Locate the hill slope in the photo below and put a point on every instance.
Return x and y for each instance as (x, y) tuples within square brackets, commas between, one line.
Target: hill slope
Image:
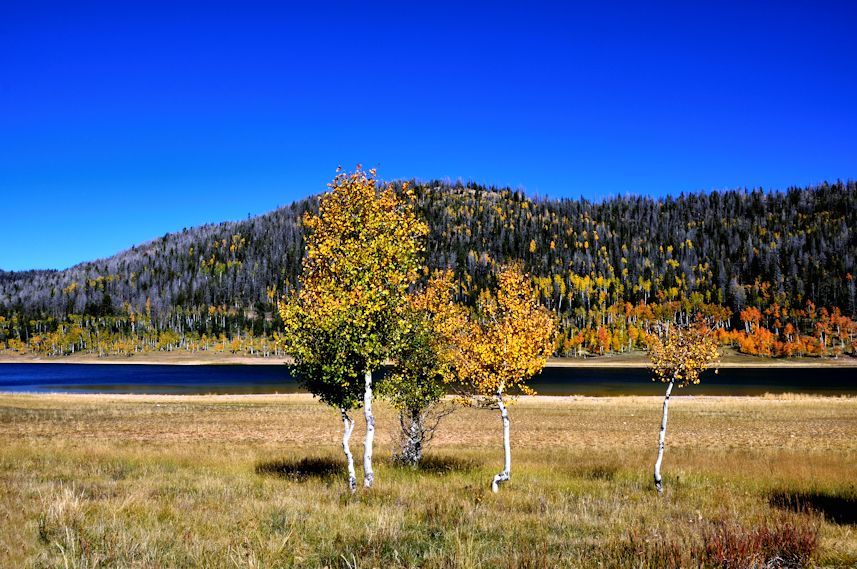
[(735, 248)]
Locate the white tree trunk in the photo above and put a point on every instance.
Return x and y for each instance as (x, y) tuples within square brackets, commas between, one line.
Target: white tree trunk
[(348, 424), (368, 474), (507, 448), (661, 437)]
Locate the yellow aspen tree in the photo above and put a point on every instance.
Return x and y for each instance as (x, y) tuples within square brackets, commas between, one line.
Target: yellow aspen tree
[(679, 358), (363, 252), (505, 343)]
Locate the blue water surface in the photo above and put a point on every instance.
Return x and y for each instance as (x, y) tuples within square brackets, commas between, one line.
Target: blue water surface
[(192, 379)]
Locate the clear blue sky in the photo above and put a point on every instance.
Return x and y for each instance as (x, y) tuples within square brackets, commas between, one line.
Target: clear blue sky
[(119, 124)]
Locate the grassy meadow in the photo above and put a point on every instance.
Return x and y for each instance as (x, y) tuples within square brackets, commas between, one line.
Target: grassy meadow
[(258, 481)]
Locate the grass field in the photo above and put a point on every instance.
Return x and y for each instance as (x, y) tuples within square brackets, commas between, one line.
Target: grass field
[(257, 481)]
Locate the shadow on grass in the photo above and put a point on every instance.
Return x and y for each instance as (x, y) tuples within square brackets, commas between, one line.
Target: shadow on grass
[(836, 507), (441, 464), (313, 467)]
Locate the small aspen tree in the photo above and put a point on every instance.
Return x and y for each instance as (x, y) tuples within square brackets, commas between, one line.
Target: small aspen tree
[(679, 358), (423, 366), (505, 343), (363, 252)]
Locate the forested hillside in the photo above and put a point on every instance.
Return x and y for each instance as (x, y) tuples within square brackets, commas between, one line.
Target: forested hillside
[(774, 270)]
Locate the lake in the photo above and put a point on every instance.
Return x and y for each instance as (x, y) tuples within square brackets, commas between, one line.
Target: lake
[(176, 379)]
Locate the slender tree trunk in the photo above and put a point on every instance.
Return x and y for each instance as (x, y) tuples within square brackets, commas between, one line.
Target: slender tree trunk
[(348, 424), (507, 448), (658, 481), (368, 474)]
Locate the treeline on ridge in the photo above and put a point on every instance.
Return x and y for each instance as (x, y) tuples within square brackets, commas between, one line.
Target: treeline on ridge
[(775, 269)]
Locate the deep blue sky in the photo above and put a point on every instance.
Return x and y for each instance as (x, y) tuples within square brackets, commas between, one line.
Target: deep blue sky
[(119, 124)]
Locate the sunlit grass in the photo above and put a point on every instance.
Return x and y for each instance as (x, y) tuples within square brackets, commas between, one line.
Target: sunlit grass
[(226, 481)]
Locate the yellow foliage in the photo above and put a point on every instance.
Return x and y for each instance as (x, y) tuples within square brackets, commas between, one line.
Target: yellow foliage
[(509, 339), (363, 252), (683, 355)]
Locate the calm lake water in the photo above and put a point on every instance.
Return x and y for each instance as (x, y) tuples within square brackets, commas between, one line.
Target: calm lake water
[(172, 379)]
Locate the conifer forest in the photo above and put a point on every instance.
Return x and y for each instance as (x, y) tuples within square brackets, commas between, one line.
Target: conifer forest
[(773, 271)]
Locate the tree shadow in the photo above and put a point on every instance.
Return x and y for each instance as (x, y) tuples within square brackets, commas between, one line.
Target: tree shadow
[(297, 470), (838, 508), (441, 464)]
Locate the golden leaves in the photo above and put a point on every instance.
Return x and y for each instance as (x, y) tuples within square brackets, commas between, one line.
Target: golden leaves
[(508, 340), (684, 354), (363, 251)]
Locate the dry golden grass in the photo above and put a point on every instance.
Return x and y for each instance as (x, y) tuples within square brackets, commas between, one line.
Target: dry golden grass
[(223, 481)]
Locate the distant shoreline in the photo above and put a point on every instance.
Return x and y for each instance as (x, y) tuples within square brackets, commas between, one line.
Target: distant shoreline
[(731, 359)]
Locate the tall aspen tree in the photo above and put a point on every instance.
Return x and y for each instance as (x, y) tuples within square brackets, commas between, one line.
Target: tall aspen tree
[(363, 252)]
